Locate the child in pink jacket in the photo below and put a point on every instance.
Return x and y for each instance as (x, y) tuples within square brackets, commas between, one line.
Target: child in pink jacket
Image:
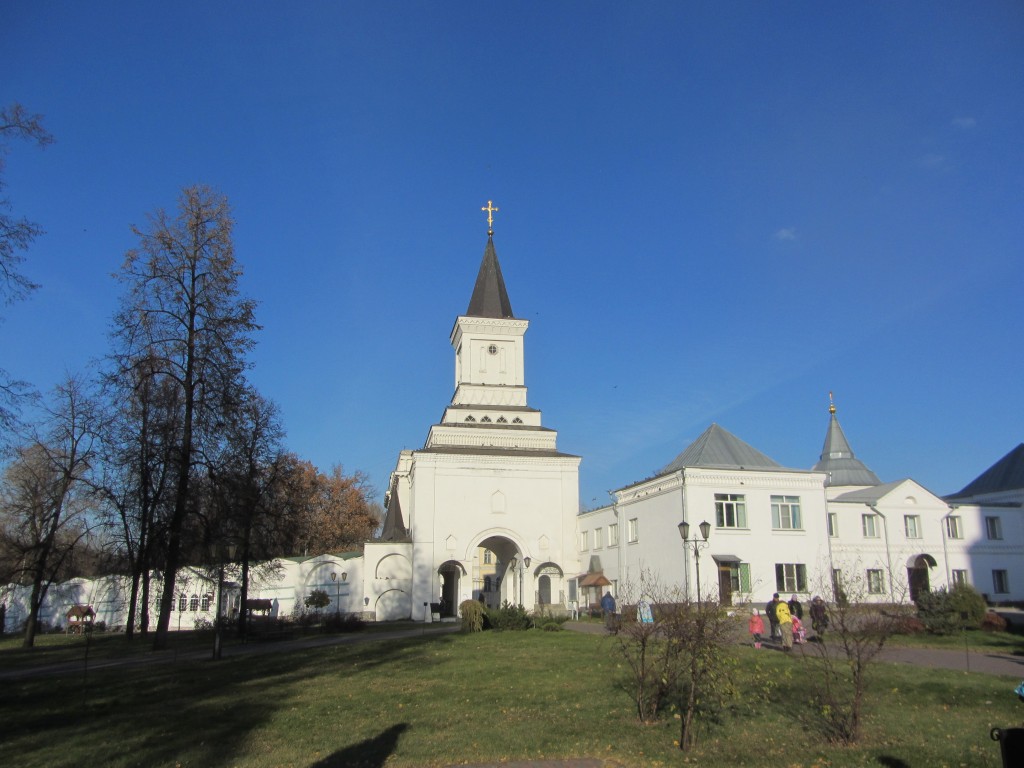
[(756, 627)]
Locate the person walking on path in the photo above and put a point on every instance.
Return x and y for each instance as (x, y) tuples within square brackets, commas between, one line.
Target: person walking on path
[(756, 627), (819, 615), (785, 625), (608, 608), (769, 611), (795, 609)]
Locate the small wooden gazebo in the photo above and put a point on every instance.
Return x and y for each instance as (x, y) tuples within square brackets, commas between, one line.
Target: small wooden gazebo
[(79, 617)]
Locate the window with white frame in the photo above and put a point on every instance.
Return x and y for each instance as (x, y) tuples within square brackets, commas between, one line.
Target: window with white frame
[(869, 524), (182, 603), (205, 606), (487, 557), (833, 524), (960, 577), (1000, 582), (633, 531), (786, 513), (598, 538), (613, 535), (994, 528), (838, 593), (730, 510), (876, 585), (953, 527), (583, 540), (193, 603), (912, 526), (790, 577)]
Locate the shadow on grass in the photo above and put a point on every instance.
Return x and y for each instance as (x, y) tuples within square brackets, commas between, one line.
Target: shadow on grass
[(137, 716), (370, 753), (892, 762)]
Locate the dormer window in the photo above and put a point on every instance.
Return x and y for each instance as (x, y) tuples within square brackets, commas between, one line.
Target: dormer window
[(517, 420), (502, 420), (470, 418), (486, 419)]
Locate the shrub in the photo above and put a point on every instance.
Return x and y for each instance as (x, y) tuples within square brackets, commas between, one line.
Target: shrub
[(472, 615), (944, 612), (508, 617), (549, 624), (910, 625), (968, 604), (343, 622), (993, 622), (317, 599)]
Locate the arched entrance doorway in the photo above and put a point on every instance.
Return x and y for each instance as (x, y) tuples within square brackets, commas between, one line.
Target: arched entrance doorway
[(917, 575), (549, 585), (501, 567), (450, 573)]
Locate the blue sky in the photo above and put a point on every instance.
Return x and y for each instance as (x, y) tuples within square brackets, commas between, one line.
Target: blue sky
[(709, 213)]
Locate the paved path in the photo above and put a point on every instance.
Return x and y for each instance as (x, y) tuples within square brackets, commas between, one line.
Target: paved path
[(959, 660)]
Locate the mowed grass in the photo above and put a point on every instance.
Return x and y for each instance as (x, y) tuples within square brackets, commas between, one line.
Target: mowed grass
[(488, 697)]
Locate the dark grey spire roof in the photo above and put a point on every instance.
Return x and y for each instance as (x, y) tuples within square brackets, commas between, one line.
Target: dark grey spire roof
[(720, 448), (394, 525), (838, 461), (490, 299), (1007, 474)]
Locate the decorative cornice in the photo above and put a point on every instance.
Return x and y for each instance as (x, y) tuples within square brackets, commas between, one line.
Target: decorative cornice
[(562, 461), (489, 394), (453, 435), (801, 481)]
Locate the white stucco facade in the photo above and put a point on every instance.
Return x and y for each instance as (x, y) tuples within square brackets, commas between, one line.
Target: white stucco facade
[(490, 479)]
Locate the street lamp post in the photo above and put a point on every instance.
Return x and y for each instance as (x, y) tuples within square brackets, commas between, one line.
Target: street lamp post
[(220, 592), (337, 593), (684, 534), (523, 565)]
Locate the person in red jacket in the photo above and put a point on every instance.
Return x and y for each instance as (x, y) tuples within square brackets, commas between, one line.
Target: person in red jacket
[(756, 627)]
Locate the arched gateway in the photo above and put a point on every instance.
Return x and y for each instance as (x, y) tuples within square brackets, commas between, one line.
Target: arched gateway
[(486, 510)]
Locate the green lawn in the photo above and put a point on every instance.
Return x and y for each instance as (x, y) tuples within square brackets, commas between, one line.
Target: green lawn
[(447, 699)]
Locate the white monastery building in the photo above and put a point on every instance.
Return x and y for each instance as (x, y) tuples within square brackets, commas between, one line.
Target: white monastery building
[(488, 509)]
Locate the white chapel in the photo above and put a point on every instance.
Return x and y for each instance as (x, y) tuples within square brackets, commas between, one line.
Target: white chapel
[(489, 482)]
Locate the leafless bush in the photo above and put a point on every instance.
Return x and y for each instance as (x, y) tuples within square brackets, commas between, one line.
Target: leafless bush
[(844, 657), (680, 659)]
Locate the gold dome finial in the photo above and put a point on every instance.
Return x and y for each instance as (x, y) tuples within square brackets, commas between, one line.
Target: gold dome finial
[(831, 405), (490, 208)]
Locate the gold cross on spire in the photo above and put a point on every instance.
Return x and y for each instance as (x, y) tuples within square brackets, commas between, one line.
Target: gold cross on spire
[(490, 208)]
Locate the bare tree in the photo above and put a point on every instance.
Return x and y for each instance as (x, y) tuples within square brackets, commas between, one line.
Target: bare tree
[(46, 497), (243, 475), (182, 319), (16, 234), (677, 654), (843, 655), (139, 453)]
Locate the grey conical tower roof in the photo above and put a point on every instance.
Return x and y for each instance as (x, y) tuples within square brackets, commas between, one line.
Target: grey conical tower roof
[(490, 299), (720, 448), (1007, 474), (838, 461), (394, 523)]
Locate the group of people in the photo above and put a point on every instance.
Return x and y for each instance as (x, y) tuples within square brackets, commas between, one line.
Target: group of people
[(786, 621)]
